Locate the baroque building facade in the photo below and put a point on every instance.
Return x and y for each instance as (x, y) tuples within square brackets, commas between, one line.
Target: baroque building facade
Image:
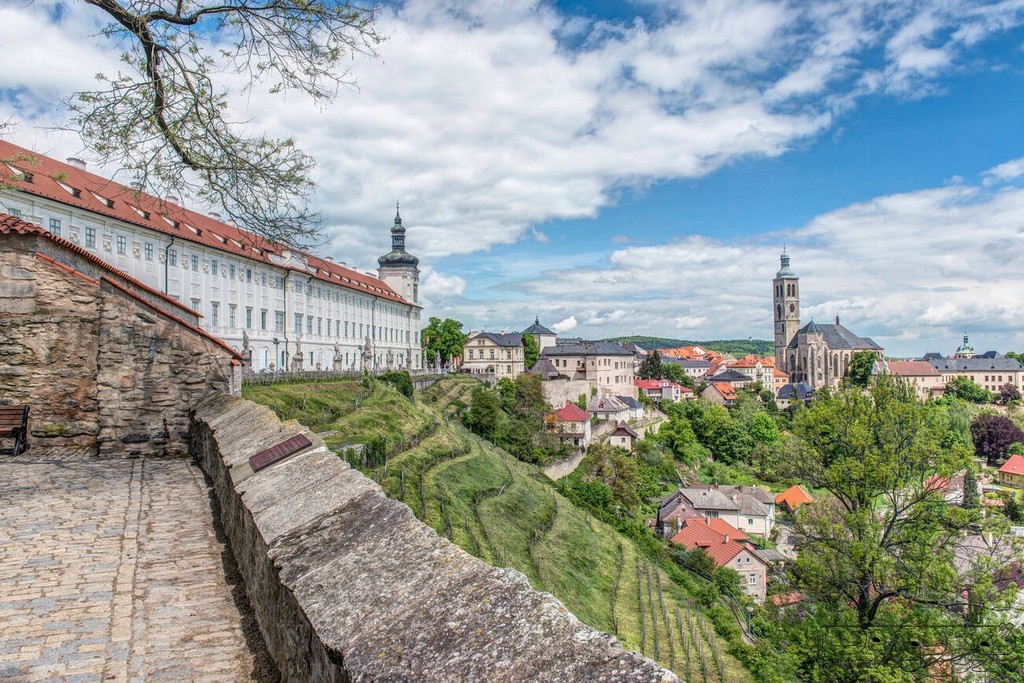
[(280, 307), (816, 354)]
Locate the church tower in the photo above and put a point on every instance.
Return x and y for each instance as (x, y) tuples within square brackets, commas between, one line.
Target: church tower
[(786, 300), (398, 268)]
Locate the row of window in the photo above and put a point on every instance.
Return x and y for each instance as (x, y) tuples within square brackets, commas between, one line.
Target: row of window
[(480, 356)]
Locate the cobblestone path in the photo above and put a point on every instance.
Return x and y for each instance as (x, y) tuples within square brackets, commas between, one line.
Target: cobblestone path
[(110, 570)]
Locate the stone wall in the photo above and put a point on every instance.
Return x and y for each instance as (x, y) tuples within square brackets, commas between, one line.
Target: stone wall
[(99, 364), (348, 585), (151, 370), (558, 391), (49, 333)]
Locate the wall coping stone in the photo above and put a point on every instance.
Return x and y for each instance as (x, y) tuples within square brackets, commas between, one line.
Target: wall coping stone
[(348, 585)]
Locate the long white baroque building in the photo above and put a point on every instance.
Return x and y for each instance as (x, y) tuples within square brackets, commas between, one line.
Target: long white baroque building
[(281, 307)]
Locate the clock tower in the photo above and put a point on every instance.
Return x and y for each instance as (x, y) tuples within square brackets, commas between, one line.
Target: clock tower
[(786, 300)]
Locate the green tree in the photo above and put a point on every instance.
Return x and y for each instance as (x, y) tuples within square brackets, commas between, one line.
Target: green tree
[(484, 416), (165, 118), (993, 436), (964, 388), (650, 367), (763, 429), (676, 373), (1012, 509), (531, 350), (880, 548), (858, 374), (615, 468), (970, 500), (444, 337)]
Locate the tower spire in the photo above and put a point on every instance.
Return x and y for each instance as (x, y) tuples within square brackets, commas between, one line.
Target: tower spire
[(398, 214)]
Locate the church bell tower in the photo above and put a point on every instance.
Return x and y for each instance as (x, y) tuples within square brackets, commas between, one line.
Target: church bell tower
[(786, 300), (398, 268)]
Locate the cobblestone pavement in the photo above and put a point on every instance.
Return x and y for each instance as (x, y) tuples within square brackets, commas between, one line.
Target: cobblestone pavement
[(111, 570)]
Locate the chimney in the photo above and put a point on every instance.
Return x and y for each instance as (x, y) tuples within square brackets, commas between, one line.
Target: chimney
[(77, 163)]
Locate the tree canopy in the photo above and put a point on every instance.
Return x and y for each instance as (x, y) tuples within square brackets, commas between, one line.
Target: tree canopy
[(531, 350), (444, 337), (993, 435), (964, 388), (881, 548), (858, 374), (165, 116)]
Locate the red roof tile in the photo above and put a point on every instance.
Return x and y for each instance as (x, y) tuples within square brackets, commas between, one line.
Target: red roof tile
[(571, 412), (912, 368), (794, 497), (727, 390), (1015, 465), (70, 185)]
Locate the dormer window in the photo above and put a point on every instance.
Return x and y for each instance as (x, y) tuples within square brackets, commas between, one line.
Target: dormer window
[(73, 191), (142, 212), (109, 203)]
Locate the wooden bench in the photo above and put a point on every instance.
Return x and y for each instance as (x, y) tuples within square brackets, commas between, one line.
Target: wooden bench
[(14, 423)]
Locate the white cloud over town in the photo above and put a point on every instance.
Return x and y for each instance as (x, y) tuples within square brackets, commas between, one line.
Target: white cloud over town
[(489, 118)]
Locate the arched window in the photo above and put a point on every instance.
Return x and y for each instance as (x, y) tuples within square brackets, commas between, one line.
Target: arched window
[(778, 311)]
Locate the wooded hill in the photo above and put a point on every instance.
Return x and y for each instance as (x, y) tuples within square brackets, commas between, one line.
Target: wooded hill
[(735, 347)]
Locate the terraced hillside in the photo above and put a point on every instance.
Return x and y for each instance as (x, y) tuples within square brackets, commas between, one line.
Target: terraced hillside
[(505, 512)]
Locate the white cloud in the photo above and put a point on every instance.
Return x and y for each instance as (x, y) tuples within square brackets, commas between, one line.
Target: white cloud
[(483, 121), (437, 286), (1005, 171), (563, 326)]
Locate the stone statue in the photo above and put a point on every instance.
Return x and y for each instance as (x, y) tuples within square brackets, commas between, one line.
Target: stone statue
[(246, 350), (297, 358), (368, 355), (391, 359), (338, 360)]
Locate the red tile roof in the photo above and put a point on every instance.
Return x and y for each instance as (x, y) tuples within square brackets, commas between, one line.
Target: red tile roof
[(727, 390), (71, 185), (794, 497), (912, 368), (571, 412), (1015, 465), (751, 361), (699, 534), (725, 529), (647, 383)]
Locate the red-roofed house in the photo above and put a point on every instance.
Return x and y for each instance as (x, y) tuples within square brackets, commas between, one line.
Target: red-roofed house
[(922, 375), (722, 393), (758, 369), (661, 389), (792, 498), (727, 551), (570, 423), (1012, 471), (278, 305)]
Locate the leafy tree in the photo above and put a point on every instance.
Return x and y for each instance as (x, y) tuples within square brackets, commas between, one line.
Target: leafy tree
[(444, 337), (164, 117), (676, 373), (763, 429), (1012, 509), (858, 374), (1009, 392), (614, 467), (531, 349), (993, 435), (964, 388), (484, 416), (650, 367), (880, 549), (970, 500), (400, 380)]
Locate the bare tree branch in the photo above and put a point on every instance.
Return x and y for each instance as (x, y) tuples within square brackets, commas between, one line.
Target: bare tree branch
[(165, 121)]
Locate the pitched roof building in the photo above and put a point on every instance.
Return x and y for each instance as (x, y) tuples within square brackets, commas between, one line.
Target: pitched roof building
[(989, 370), (495, 354), (726, 550), (1012, 471), (279, 306), (793, 498), (815, 354)]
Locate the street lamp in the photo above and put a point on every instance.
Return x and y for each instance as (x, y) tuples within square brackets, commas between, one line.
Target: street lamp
[(277, 357)]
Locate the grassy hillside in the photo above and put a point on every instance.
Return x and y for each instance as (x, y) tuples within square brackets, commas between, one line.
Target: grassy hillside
[(736, 347), (505, 512)]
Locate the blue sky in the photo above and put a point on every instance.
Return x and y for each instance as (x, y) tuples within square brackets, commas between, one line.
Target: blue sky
[(619, 168)]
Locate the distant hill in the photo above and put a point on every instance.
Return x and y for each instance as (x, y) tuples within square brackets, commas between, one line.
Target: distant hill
[(735, 347)]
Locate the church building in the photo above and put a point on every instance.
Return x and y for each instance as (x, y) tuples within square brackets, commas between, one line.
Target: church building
[(816, 354)]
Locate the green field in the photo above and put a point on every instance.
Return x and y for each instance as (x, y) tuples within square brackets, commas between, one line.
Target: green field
[(507, 513)]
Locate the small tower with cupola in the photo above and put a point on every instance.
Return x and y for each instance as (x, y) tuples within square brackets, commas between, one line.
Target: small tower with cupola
[(786, 305), (398, 268)]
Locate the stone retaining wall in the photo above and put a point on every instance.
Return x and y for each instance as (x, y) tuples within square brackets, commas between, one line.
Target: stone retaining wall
[(348, 585)]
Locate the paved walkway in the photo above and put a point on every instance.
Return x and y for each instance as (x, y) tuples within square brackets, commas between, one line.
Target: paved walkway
[(111, 570)]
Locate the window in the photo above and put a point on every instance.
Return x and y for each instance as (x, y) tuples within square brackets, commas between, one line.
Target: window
[(750, 521), (298, 323), (122, 244), (215, 313), (195, 262), (309, 324), (15, 212), (233, 316), (248, 274), (319, 326), (751, 579), (55, 226), (278, 321), (231, 271), (172, 257), (195, 305), (148, 249), (90, 237), (213, 267), (248, 318), (263, 319), (346, 328)]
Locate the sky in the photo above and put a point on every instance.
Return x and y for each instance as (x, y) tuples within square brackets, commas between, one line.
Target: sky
[(617, 168)]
